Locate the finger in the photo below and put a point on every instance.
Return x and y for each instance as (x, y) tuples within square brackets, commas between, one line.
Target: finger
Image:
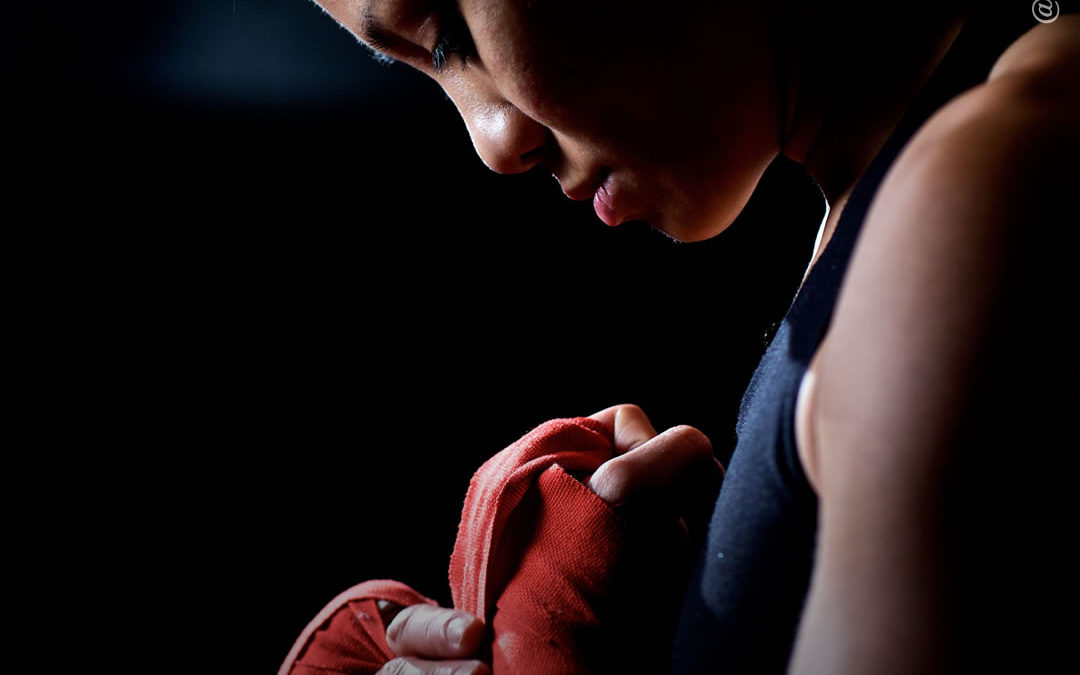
[(630, 424), (659, 464), (434, 632), (415, 666)]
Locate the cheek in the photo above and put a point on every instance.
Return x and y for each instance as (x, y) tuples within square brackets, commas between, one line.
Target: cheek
[(709, 197), (556, 60), (523, 72)]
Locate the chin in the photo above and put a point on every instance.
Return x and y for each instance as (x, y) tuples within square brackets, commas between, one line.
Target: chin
[(703, 211), (690, 229)]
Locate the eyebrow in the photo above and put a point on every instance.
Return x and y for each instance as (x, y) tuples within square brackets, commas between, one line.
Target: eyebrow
[(375, 35)]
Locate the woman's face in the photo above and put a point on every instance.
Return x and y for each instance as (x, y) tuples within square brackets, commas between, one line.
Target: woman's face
[(663, 112)]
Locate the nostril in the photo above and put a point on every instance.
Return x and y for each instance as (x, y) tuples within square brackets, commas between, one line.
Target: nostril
[(532, 157), (508, 141)]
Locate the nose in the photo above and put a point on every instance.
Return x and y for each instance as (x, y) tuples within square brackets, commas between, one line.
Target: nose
[(507, 140)]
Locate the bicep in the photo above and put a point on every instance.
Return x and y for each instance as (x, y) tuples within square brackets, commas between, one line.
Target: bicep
[(912, 348)]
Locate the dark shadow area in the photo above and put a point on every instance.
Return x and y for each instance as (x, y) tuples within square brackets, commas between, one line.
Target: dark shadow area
[(295, 311)]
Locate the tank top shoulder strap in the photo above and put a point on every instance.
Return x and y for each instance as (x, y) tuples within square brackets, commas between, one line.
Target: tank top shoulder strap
[(967, 63)]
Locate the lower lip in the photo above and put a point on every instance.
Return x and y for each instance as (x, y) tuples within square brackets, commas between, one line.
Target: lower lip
[(602, 203)]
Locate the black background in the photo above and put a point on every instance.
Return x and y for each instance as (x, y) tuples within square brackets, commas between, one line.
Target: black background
[(280, 311)]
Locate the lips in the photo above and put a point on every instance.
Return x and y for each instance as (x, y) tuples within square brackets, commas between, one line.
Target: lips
[(604, 202), (600, 189)]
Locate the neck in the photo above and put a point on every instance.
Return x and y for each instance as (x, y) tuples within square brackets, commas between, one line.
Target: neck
[(850, 76)]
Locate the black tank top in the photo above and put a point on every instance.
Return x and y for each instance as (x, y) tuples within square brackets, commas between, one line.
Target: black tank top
[(746, 594)]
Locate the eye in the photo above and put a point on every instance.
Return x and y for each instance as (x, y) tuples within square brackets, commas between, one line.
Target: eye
[(454, 38)]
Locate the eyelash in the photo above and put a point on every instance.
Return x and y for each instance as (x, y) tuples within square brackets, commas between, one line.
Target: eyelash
[(454, 38)]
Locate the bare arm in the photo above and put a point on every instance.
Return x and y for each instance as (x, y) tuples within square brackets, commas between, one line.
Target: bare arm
[(910, 347)]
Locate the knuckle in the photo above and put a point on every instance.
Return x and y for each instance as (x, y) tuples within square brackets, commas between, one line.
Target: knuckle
[(419, 629), (693, 441), (631, 409), (435, 628), (630, 414), (632, 428)]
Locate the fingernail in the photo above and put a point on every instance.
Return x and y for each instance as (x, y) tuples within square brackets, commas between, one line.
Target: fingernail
[(456, 630)]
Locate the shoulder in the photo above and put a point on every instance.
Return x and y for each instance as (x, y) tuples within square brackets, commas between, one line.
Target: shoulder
[(914, 379), (981, 177), (1044, 50), (1018, 130)]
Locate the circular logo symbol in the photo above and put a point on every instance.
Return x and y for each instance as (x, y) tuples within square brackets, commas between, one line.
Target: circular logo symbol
[(1045, 11)]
